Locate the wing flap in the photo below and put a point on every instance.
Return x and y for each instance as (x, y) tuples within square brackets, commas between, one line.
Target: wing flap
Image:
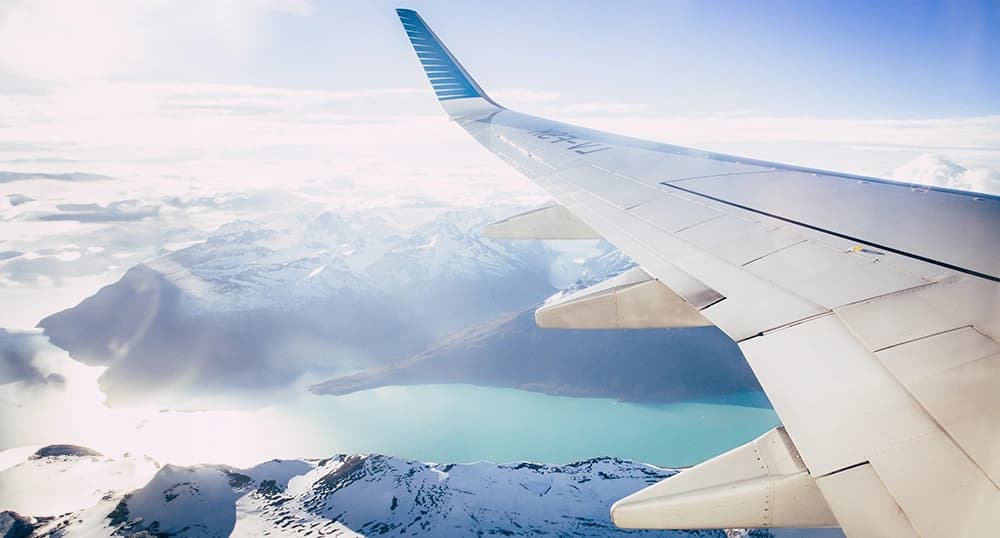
[(631, 300), (955, 376), (845, 409), (840, 392), (862, 504), (941, 491)]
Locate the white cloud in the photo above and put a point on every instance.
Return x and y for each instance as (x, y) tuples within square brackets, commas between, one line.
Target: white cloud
[(934, 169), (206, 155), (930, 169), (980, 180), (366, 150), (58, 41), (54, 40)]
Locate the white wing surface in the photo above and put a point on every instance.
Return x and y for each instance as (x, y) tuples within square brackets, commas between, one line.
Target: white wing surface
[(868, 309)]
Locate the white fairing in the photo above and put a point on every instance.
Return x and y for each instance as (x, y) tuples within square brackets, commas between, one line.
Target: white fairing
[(868, 309), (549, 222), (631, 300), (760, 484)]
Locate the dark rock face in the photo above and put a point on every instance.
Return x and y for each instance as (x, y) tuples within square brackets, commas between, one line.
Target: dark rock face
[(631, 365), (14, 525), (65, 450)]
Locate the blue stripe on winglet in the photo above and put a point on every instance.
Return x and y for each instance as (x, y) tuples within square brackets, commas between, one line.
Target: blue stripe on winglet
[(446, 75)]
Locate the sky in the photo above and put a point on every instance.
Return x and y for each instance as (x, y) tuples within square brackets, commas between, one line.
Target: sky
[(720, 75), (854, 59), (200, 113)]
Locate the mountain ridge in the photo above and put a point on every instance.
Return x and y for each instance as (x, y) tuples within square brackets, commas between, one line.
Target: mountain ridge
[(357, 495), (360, 303)]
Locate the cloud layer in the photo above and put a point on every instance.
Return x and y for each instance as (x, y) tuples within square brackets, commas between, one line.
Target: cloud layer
[(43, 42), (17, 360), (935, 169), (165, 164)]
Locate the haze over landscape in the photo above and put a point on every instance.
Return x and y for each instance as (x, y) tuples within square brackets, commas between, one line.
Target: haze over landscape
[(229, 234)]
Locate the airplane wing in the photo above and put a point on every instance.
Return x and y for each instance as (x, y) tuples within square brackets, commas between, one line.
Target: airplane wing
[(868, 309)]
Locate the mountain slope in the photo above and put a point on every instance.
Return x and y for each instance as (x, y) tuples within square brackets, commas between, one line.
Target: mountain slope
[(631, 365), (62, 478), (256, 307), (360, 495)]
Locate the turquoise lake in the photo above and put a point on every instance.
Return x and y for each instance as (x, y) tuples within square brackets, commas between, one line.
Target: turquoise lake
[(464, 423)]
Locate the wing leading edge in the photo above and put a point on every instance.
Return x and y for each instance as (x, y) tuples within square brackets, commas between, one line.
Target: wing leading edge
[(868, 309)]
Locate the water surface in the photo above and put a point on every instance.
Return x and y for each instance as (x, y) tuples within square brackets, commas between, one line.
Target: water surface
[(465, 423)]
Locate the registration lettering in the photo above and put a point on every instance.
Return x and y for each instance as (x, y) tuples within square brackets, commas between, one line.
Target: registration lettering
[(573, 142)]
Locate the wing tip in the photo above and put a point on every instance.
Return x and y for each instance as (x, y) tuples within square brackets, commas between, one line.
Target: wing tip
[(447, 76)]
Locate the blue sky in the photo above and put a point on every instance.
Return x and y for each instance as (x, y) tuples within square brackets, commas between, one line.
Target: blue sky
[(820, 59)]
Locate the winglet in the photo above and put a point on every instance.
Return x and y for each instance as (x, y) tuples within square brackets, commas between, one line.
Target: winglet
[(451, 82)]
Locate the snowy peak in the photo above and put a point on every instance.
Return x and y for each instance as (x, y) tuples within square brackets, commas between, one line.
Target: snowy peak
[(54, 451), (64, 478), (14, 525), (262, 305), (245, 265), (375, 495), (356, 495), (194, 501)]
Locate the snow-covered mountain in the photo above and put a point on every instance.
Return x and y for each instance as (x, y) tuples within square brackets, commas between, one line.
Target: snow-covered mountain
[(628, 365), (360, 495), (362, 302), (260, 305), (248, 265), (63, 478)]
